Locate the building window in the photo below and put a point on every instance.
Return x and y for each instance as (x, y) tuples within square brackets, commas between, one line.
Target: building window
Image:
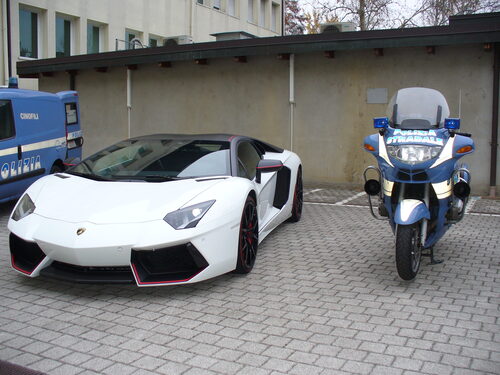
[(133, 39), (63, 37), (93, 38), (274, 17), (217, 4), (231, 7), (250, 11), (262, 13), (28, 33), (200, 2), (129, 36), (153, 42)]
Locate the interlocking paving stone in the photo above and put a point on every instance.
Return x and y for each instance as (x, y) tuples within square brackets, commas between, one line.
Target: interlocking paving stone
[(324, 298)]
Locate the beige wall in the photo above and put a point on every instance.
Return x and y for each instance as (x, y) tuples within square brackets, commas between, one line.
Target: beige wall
[(159, 19), (331, 113), (332, 109)]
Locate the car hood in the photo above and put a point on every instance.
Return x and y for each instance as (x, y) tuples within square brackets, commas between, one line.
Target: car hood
[(76, 199)]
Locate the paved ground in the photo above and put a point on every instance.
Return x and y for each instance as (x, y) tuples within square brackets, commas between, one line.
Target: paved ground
[(323, 298)]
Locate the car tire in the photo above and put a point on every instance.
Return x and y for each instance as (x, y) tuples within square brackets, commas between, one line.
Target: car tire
[(248, 239), (298, 198)]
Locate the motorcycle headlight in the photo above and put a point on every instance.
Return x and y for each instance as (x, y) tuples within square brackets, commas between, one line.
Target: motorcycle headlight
[(413, 154), (188, 217), (24, 208)]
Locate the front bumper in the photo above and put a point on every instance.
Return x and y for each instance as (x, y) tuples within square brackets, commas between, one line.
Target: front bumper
[(148, 254)]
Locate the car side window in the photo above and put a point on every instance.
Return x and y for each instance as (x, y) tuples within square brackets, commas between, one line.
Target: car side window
[(7, 129), (248, 158)]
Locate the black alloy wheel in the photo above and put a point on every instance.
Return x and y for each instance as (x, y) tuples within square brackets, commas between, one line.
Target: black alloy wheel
[(248, 238), (298, 198)]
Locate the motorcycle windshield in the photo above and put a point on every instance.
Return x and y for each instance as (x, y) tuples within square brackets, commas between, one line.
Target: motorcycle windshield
[(417, 108)]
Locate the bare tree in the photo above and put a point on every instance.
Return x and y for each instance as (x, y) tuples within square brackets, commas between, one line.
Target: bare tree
[(375, 14), (366, 14), (294, 18), (438, 11), (315, 18)]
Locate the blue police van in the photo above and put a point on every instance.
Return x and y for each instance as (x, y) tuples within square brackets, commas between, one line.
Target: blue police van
[(39, 134)]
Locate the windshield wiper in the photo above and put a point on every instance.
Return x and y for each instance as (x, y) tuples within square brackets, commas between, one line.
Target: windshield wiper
[(90, 176)]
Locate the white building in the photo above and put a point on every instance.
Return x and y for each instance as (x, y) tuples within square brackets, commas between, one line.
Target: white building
[(39, 29)]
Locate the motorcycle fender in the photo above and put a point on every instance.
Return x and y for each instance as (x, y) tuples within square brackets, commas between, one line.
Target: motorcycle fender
[(410, 211)]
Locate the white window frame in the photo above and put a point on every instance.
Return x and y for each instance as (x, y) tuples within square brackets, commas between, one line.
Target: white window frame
[(275, 16), (39, 31), (251, 11), (72, 33), (159, 39), (138, 34), (101, 27), (235, 8), (263, 13)]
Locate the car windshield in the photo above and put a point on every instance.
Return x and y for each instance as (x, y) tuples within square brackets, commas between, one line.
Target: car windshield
[(417, 108), (156, 160)]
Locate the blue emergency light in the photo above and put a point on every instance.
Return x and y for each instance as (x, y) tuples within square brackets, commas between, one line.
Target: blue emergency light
[(13, 83), (452, 123), (380, 122)]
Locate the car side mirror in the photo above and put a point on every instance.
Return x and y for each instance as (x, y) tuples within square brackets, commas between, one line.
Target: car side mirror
[(266, 166)]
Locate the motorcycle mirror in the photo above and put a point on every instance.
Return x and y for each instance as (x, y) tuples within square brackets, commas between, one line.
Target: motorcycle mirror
[(380, 122), (452, 123)]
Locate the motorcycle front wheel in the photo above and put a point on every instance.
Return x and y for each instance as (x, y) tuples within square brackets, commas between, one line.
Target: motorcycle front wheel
[(408, 251)]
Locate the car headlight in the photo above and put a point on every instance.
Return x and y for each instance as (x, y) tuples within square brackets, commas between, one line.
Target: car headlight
[(414, 154), (24, 208), (188, 217)]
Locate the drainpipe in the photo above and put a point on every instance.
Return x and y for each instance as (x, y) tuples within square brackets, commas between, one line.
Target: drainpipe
[(191, 16), (72, 80), (129, 99), (494, 122), (283, 16), (292, 98)]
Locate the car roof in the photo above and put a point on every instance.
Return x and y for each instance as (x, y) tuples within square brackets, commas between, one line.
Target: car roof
[(9, 93), (221, 137), (194, 137)]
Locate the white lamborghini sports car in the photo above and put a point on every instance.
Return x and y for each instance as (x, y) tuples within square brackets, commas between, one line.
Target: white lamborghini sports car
[(157, 210)]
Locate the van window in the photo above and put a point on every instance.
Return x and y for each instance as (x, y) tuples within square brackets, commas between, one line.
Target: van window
[(7, 129), (71, 115)]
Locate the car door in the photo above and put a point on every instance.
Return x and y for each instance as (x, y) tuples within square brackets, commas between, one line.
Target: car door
[(248, 158)]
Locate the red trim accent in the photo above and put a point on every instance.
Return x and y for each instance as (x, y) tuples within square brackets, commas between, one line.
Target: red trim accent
[(20, 269), (231, 138), (136, 274), (270, 166)]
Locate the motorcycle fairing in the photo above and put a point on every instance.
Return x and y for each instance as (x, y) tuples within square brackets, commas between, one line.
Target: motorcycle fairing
[(410, 211)]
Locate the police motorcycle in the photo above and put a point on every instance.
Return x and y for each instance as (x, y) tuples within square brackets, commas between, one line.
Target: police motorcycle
[(421, 188)]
